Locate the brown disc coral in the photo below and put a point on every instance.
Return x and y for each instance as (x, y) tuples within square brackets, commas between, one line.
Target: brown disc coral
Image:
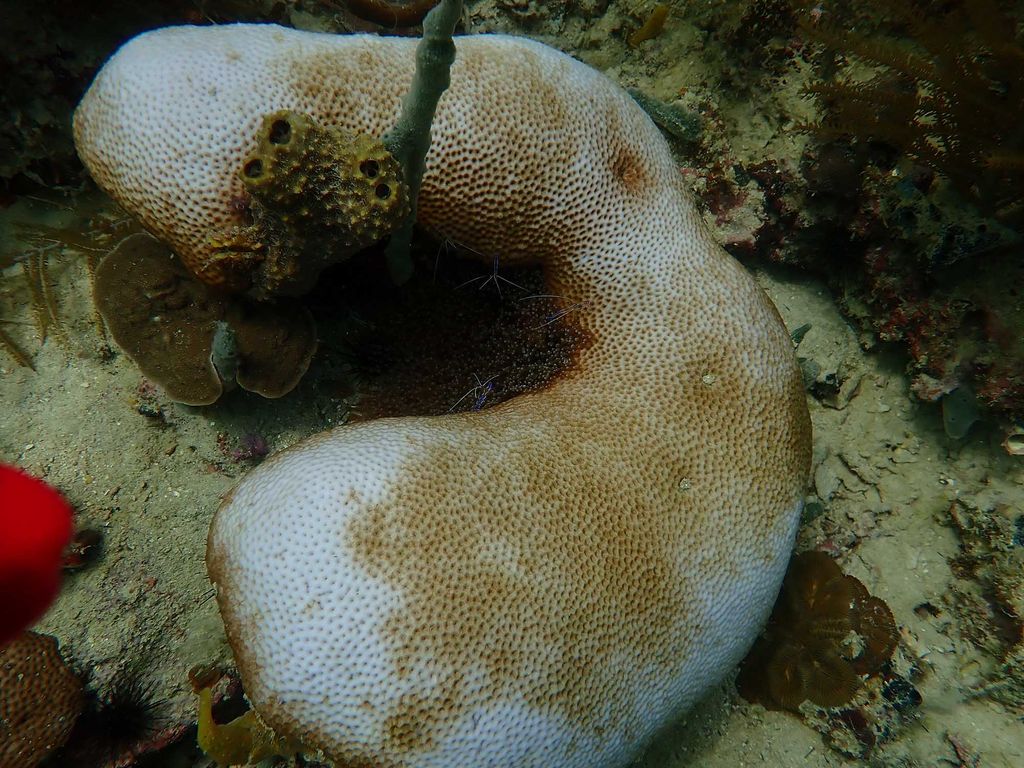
[(824, 633), (40, 699)]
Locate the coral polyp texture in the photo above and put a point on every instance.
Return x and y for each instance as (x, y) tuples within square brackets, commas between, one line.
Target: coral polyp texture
[(40, 699), (545, 582)]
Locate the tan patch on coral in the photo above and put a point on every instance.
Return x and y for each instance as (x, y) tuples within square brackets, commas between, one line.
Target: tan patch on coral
[(544, 593), (629, 169)]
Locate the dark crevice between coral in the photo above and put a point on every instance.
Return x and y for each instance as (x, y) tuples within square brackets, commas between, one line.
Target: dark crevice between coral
[(458, 336)]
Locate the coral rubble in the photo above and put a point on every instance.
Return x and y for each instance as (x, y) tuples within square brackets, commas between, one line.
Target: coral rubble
[(988, 595)]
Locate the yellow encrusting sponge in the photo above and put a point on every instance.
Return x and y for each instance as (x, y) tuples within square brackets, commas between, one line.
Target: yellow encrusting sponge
[(318, 195)]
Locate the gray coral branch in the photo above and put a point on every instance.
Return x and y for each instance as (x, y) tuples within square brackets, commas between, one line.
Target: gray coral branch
[(409, 140)]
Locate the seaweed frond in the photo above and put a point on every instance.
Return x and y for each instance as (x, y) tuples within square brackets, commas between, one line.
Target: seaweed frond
[(949, 94), (92, 260), (95, 240), (45, 311), (16, 353)]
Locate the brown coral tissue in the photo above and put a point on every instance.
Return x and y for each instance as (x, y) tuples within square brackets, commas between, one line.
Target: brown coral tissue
[(824, 633), (40, 699)]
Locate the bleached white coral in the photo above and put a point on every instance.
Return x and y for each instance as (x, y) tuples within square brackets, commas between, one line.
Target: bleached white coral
[(544, 583)]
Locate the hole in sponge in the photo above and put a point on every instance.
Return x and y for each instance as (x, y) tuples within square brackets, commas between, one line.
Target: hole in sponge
[(280, 132), (253, 169), (369, 168), (383, 191)]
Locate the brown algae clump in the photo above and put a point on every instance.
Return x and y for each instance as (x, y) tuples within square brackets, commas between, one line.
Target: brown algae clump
[(319, 195), (651, 28)]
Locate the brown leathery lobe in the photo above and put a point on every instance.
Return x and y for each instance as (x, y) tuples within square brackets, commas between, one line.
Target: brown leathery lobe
[(825, 632), (165, 321)]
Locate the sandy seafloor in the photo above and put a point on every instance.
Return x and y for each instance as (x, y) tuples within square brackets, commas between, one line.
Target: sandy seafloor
[(885, 471)]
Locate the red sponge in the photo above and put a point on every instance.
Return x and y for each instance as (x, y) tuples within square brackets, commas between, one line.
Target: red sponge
[(35, 527)]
